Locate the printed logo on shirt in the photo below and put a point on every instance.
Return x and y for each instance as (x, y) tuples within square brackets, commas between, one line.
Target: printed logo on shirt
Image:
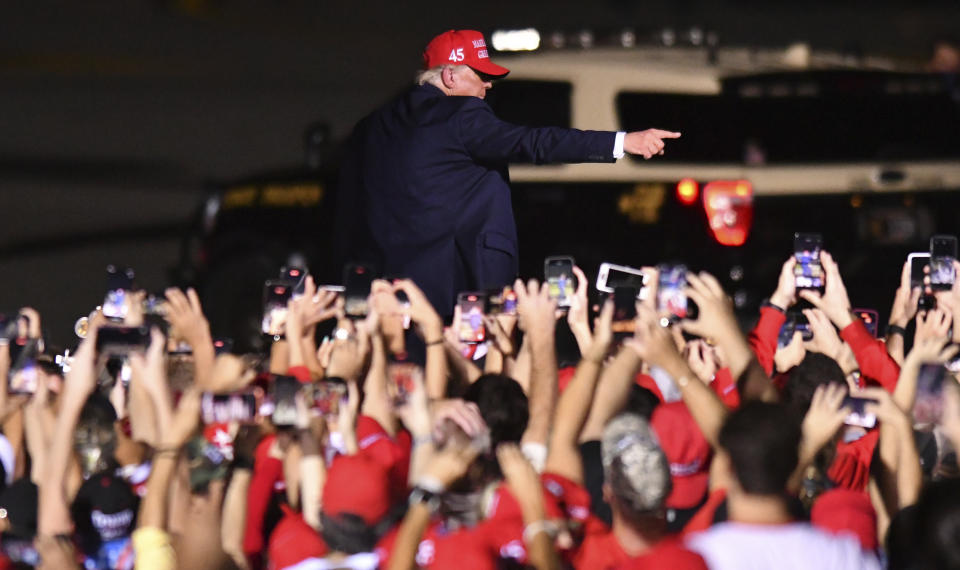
[(513, 549), (426, 553)]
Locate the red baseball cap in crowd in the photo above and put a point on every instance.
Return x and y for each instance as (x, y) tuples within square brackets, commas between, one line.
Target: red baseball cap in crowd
[(844, 511), (293, 541), (358, 485), (462, 47), (687, 451)]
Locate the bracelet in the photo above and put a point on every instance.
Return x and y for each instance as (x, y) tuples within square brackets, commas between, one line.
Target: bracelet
[(431, 484), (166, 451), (896, 329), (422, 440), (536, 527), (433, 342), (767, 303)]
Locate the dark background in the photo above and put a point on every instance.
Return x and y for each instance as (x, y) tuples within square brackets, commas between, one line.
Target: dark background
[(115, 115)]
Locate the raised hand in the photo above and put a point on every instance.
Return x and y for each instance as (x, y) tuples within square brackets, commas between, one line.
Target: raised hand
[(701, 360), (535, 309), (786, 293), (185, 315), (825, 339), (716, 317), (825, 416), (834, 302), (648, 143), (422, 313), (905, 301)]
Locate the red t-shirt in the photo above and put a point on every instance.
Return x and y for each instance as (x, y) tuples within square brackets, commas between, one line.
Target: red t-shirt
[(851, 465), (599, 549), (668, 554)]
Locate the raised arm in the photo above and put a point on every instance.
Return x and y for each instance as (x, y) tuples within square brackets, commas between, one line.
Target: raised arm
[(563, 457), (538, 321)]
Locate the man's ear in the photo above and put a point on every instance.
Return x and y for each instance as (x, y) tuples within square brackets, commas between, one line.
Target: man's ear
[(448, 76)]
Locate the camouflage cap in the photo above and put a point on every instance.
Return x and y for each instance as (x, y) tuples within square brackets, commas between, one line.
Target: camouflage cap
[(634, 465)]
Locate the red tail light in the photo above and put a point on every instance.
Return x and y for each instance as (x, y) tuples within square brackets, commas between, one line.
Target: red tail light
[(688, 191)]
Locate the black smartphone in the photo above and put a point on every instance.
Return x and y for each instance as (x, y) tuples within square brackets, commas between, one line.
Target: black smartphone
[(858, 415), (785, 337), (808, 272), (943, 250), (224, 408), (470, 329), (624, 312), (119, 284), (671, 298), (296, 277), (120, 341), (23, 375), (802, 325), (561, 282), (357, 279), (276, 295), (870, 319), (284, 391)]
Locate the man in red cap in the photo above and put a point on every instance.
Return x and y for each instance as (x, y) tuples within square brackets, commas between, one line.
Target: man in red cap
[(423, 190)]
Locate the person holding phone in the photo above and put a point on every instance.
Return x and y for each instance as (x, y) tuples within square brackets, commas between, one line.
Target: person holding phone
[(423, 190)]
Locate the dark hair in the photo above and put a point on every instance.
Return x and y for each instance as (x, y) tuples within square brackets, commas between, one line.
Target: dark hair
[(762, 440), (927, 534), (503, 406), (348, 533), (813, 371)]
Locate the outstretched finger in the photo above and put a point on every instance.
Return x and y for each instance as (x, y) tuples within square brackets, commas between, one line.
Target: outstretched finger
[(665, 134)]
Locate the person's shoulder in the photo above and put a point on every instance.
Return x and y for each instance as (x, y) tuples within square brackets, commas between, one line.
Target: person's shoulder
[(667, 554)]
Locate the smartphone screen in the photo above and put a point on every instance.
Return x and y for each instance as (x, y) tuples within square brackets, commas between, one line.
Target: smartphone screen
[(624, 312), (470, 328), (858, 415), (119, 341), (671, 298), (808, 272), (327, 396), (786, 332), (224, 408), (296, 277), (918, 263), (24, 379), (357, 279), (611, 276), (284, 392), (943, 250), (402, 376), (870, 319), (276, 294), (119, 283), (928, 407), (802, 325), (561, 282), (502, 301)]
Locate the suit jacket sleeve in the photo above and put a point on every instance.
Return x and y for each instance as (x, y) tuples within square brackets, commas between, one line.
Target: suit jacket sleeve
[(488, 139)]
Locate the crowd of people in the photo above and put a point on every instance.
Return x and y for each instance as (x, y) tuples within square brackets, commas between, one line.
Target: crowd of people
[(683, 444)]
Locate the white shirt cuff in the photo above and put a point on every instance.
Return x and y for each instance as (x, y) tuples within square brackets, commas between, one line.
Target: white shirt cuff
[(618, 145)]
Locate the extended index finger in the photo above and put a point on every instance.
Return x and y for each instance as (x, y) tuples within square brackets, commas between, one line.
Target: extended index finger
[(665, 134)]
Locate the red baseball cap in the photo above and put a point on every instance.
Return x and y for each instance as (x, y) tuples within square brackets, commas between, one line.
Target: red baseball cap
[(357, 485), (687, 451), (462, 47), (293, 541)]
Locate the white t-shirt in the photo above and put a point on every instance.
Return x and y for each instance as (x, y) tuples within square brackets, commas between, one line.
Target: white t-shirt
[(739, 546)]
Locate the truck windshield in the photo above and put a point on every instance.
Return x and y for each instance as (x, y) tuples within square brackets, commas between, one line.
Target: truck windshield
[(815, 117)]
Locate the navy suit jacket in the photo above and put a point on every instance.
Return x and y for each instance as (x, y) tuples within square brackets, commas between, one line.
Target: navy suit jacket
[(423, 190)]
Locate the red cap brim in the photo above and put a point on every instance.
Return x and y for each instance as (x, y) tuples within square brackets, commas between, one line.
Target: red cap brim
[(487, 67)]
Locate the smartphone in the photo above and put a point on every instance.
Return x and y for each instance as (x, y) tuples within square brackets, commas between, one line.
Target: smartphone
[(611, 276), (296, 277), (283, 391), (624, 311), (671, 298), (327, 395), (871, 320), (502, 301), (402, 381), (808, 272), (858, 415), (928, 406), (276, 294), (224, 408), (470, 329), (222, 346), (918, 263), (357, 279), (23, 379), (802, 325), (120, 341), (119, 284), (404, 301), (561, 282), (943, 250), (785, 337), (9, 329)]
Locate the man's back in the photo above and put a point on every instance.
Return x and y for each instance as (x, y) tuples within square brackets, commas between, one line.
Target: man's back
[(742, 546)]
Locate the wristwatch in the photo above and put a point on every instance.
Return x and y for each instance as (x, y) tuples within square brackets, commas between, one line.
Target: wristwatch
[(420, 495)]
